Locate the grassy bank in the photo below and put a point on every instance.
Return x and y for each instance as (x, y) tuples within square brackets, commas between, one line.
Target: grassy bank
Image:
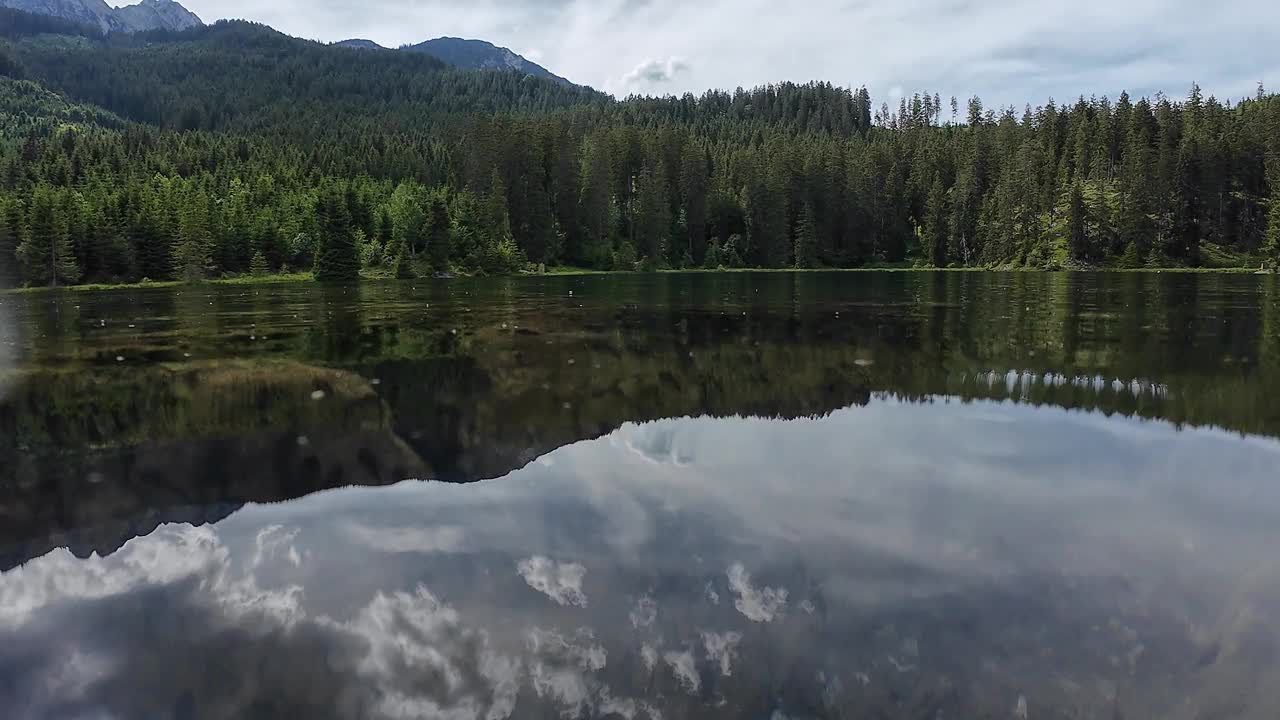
[(569, 271)]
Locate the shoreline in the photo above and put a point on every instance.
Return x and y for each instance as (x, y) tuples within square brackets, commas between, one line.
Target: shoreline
[(584, 272)]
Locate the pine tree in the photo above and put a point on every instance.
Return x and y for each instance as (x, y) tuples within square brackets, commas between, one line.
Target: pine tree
[(595, 205), (258, 264), (193, 260), (47, 255), (8, 255), (386, 229), (1077, 224), (694, 187), (403, 262), (807, 238), (439, 232), (653, 216), (336, 257), (935, 225), (1271, 247)]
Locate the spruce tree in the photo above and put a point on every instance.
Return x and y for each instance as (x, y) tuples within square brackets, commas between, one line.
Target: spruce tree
[(258, 264), (1271, 247), (193, 260), (337, 259), (694, 187), (403, 262), (47, 255), (9, 276), (1077, 224), (935, 225), (653, 216), (595, 203), (806, 250), (439, 232)]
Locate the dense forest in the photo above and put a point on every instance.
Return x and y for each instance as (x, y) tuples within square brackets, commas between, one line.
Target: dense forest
[(234, 149)]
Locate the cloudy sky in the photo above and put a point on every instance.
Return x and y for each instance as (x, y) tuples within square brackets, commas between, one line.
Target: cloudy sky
[(1006, 51)]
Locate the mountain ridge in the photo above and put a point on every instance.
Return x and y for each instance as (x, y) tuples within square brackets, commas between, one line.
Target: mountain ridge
[(140, 17), (465, 54)]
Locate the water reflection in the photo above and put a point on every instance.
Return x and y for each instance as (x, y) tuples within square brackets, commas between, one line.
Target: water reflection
[(921, 496), (703, 568)]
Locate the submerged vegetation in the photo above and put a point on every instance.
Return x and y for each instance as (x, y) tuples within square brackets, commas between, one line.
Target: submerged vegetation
[(234, 150)]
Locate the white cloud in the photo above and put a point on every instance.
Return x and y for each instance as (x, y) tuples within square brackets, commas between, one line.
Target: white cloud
[(561, 582), (654, 72), (759, 605), (1007, 51)]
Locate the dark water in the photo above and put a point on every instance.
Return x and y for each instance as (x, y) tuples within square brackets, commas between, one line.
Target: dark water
[(682, 496)]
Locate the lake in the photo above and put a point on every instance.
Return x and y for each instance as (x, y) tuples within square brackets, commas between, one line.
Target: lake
[(784, 496)]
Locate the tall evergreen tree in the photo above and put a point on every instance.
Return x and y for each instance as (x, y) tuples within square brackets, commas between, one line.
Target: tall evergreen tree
[(439, 240), (653, 216), (694, 189), (806, 251), (596, 201), (1271, 248), (9, 275), (1077, 224), (336, 256), (47, 255), (935, 225)]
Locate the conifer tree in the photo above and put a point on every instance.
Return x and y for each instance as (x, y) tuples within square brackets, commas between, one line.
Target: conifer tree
[(439, 240), (9, 276), (935, 225), (258, 264), (653, 216), (47, 254), (336, 256), (807, 238)]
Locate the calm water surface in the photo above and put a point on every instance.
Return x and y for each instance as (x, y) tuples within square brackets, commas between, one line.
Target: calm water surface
[(850, 495)]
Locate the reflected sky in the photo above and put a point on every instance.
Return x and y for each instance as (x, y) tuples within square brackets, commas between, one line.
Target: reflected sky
[(915, 560)]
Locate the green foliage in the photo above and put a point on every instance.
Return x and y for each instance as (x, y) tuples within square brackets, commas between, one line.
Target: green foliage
[(935, 228), (439, 234), (9, 276), (47, 255), (258, 265), (807, 238), (1271, 249), (336, 256), (193, 261), (403, 262), (204, 151)]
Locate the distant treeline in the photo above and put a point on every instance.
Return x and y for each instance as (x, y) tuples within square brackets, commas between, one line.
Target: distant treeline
[(235, 149)]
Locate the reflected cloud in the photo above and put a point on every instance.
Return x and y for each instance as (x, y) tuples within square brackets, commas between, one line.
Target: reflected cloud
[(427, 541), (644, 613), (721, 649), (561, 582), (684, 667), (759, 605), (896, 570)]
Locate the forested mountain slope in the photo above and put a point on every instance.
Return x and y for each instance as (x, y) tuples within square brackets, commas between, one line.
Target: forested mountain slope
[(234, 149)]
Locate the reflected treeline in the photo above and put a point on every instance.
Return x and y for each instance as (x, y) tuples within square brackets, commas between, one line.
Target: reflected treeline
[(138, 402)]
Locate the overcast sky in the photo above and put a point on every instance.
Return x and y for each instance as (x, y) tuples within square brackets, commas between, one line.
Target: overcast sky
[(1006, 51)]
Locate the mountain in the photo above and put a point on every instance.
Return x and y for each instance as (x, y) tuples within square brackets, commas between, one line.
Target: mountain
[(359, 44), (156, 15), (480, 55), (146, 15)]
